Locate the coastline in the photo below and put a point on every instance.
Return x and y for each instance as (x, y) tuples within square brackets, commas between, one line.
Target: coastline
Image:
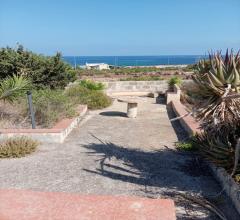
[(159, 66), (135, 61)]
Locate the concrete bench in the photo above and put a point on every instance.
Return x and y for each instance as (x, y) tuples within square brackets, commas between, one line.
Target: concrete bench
[(131, 107)]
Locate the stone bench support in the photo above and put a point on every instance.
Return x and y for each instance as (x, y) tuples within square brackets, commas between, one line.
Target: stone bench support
[(132, 110), (131, 107)]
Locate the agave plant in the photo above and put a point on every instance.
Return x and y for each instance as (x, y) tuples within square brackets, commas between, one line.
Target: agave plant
[(221, 151), (220, 71), (218, 80), (217, 149), (218, 111)]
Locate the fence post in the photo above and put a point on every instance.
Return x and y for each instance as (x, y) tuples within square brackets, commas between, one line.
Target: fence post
[(29, 96)]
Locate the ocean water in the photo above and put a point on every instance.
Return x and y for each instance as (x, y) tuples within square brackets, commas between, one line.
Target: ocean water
[(134, 60)]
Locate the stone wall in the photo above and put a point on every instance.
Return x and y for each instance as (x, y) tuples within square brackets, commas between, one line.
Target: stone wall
[(135, 87)]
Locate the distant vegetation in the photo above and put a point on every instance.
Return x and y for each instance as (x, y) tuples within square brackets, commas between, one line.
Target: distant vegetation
[(142, 78), (131, 71)]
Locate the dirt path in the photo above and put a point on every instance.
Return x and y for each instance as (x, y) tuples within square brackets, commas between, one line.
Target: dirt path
[(111, 154)]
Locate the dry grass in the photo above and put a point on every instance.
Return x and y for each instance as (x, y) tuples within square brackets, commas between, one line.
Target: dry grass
[(17, 147), (14, 115)]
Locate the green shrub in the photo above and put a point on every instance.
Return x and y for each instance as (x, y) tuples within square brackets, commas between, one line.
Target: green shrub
[(91, 85), (174, 81), (44, 71), (95, 99), (17, 147), (52, 105), (186, 146)]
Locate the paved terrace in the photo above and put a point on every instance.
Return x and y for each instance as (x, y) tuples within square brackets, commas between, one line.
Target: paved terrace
[(109, 154)]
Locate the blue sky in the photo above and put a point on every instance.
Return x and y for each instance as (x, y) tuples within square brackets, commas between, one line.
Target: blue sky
[(121, 27)]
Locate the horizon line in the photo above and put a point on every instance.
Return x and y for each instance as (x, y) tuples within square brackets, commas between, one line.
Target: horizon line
[(133, 55)]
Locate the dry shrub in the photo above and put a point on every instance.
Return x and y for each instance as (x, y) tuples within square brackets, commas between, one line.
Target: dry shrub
[(17, 147)]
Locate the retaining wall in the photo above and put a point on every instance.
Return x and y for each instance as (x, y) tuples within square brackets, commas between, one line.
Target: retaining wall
[(135, 87)]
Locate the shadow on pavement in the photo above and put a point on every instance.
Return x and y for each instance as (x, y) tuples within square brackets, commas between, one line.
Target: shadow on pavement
[(114, 114), (161, 173)]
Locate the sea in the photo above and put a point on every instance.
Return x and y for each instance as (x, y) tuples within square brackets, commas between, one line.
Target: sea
[(134, 60)]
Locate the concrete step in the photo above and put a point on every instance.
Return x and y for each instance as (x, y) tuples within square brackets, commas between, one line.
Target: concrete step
[(32, 205)]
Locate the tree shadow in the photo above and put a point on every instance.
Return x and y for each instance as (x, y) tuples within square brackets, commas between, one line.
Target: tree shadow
[(161, 99), (161, 173), (113, 114), (162, 168)]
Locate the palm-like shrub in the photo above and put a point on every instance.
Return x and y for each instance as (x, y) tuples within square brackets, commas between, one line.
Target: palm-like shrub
[(13, 87), (218, 110)]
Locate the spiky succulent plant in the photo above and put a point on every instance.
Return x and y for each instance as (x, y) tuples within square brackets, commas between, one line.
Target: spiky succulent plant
[(218, 80), (219, 72), (218, 111)]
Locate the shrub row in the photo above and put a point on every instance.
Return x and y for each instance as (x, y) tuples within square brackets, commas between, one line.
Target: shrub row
[(52, 105)]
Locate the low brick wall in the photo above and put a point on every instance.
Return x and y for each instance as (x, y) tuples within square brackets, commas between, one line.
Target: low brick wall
[(57, 134), (188, 122), (192, 127), (135, 87)]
